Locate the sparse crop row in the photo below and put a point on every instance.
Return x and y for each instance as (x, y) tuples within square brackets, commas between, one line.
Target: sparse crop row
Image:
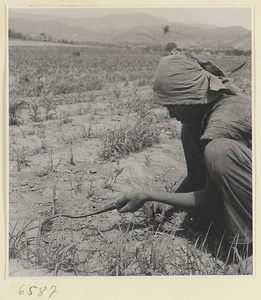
[(139, 249), (65, 73)]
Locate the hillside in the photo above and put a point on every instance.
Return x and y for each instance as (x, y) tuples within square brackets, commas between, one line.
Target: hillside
[(132, 29)]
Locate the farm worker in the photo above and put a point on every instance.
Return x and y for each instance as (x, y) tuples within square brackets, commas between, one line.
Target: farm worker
[(217, 142)]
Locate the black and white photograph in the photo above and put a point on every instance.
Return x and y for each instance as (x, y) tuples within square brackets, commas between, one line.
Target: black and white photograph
[(130, 141)]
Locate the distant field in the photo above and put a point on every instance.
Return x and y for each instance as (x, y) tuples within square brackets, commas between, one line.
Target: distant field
[(84, 131), (19, 42), (104, 65)]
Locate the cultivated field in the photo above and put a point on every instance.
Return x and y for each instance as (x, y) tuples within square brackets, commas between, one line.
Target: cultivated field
[(84, 131)]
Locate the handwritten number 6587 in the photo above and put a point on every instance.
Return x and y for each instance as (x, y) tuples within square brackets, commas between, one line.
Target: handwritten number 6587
[(53, 288)]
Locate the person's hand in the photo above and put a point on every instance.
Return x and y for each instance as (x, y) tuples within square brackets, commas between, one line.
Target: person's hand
[(131, 201)]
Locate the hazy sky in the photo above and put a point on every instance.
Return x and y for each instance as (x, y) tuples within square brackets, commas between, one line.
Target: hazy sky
[(220, 16)]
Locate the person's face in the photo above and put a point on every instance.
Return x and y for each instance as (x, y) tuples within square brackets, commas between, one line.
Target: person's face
[(186, 114)]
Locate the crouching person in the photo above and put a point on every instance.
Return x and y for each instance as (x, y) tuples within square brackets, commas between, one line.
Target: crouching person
[(217, 142)]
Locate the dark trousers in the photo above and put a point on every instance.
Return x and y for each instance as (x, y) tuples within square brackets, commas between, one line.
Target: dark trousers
[(226, 165)]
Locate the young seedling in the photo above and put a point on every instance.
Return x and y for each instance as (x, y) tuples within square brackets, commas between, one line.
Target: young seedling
[(51, 166), (147, 160), (35, 109), (90, 191), (21, 157), (112, 178), (15, 109), (71, 157), (55, 207), (43, 145), (48, 103), (12, 136), (16, 243), (61, 119), (83, 132), (22, 131), (124, 254), (111, 108), (78, 182), (89, 132), (17, 153)]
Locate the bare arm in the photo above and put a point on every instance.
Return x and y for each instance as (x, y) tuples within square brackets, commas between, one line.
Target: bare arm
[(192, 200)]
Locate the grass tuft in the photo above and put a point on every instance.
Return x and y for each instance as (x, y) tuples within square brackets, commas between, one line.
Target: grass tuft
[(128, 139)]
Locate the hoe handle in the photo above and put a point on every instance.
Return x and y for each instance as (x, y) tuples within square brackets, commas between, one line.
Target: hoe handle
[(47, 223)]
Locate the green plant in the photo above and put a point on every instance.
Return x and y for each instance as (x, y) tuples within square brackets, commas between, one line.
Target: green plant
[(111, 105), (77, 183), (147, 159), (49, 248), (12, 136), (17, 238), (21, 157), (151, 255), (138, 249), (51, 165), (49, 103), (22, 131), (124, 253), (71, 156), (126, 139), (55, 204), (89, 132), (90, 191), (35, 109), (42, 136), (15, 109), (61, 119), (110, 181)]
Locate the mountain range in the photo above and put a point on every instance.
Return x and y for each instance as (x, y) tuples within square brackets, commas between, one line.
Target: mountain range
[(136, 29)]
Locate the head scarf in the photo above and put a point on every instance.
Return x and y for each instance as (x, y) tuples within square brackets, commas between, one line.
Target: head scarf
[(181, 79)]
